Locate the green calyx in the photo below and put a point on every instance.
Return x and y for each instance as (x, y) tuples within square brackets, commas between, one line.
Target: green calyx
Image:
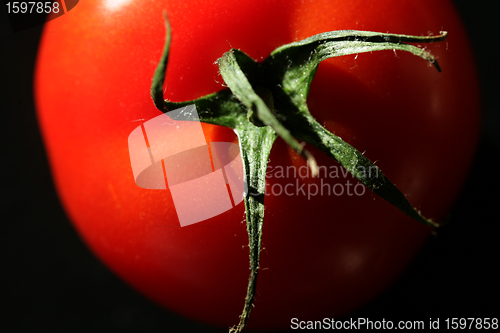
[(269, 99)]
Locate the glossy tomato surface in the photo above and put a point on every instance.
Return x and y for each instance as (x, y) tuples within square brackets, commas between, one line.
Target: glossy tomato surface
[(324, 254)]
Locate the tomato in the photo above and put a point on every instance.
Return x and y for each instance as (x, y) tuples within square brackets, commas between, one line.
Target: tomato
[(324, 254)]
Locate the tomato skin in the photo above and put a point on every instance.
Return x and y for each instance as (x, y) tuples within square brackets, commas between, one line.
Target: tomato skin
[(322, 257)]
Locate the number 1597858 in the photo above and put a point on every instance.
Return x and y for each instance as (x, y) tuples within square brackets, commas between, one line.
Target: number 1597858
[(33, 7)]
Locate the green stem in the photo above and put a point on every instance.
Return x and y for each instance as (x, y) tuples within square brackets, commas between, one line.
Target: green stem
[(161, 69), (269, 99), (255, 144)]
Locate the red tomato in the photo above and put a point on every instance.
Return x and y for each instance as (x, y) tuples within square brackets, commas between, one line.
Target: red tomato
[(324, 255)]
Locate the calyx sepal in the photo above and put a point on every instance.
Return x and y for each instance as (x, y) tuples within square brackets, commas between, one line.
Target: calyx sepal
[(269, 100)]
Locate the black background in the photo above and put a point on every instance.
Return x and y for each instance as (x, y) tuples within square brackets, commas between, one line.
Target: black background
[(50, 280)]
